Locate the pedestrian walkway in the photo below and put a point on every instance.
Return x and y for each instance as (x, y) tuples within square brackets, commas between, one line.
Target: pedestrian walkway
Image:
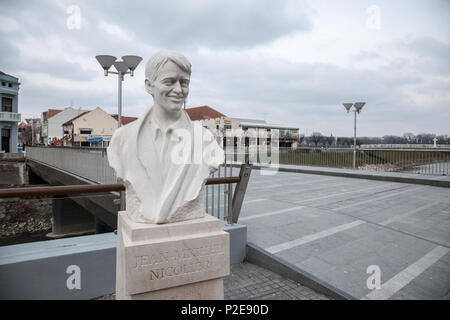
[(341, 229)]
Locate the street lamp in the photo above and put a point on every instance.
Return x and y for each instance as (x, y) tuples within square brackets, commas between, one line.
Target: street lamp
[(357, 109), (122, 67)]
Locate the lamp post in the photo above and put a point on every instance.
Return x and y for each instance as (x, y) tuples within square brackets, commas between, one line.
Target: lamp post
[(129, 63), (357, 109)]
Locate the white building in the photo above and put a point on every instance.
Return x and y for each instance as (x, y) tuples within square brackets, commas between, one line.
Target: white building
[(9, 116), (244, 132), (287, 135), (54, 124)]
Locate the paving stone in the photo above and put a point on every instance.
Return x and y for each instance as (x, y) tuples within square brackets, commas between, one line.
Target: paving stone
[(279, 288)]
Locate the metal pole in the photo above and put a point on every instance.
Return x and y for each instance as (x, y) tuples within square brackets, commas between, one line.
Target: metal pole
[(230, 205), (218, 195), (354, 144), (32, 132), (212, 199), (120, 99)]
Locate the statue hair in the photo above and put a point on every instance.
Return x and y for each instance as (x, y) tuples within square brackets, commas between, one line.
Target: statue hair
[(159, 59)]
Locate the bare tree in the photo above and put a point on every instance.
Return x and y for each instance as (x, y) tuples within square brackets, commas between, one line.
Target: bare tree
[(329, 140), (443, 139), (344, 141), (409, 137), (425, 138), (316, 138), (389, 139), (301, 138)]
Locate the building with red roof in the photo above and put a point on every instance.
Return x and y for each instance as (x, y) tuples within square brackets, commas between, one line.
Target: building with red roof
[(231, 131), (125, 120), (52, 121), (203, 112)]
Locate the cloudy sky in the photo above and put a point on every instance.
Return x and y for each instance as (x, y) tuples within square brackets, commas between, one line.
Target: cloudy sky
[(290, 62)]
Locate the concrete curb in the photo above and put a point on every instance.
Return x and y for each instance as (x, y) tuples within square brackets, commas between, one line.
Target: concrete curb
[(262, 258), (238, 241), (369, 175)]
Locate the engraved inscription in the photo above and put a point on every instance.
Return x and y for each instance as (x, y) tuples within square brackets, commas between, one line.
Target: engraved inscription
[(178, 261)]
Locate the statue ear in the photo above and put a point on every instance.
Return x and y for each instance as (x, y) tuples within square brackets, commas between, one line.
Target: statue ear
[(148, 87)]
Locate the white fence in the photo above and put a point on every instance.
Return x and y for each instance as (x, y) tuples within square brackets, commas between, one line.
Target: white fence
[(89, 163), (405, 146)]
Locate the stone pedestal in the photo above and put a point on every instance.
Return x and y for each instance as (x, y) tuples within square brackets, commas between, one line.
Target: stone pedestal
[(181, 260)]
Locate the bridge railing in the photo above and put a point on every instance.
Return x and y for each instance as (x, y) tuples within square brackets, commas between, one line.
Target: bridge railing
[(89, 163), (422, 161), (223, 194)]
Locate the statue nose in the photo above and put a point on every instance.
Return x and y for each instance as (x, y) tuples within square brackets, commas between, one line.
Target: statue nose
[(177, 87)]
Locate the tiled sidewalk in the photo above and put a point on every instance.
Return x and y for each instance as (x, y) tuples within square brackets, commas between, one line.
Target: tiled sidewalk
[(251, 282)]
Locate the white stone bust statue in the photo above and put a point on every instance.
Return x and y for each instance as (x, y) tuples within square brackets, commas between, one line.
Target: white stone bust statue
[(164, 158)]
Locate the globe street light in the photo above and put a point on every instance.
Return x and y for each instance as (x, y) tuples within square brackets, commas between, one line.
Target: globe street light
[(357, 109), (122, 67)]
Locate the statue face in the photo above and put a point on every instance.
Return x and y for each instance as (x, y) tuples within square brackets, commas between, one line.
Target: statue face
[(171, 87)]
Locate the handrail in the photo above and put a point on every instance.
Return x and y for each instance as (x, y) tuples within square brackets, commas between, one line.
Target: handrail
[(223, 180), (58, 190), (96, 188)]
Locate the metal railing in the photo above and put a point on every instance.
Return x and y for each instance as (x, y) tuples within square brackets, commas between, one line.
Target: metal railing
[(222, 199), (59, 190), (423, 161), (10, 116), (405, 146), (229, 215), (89, 163)]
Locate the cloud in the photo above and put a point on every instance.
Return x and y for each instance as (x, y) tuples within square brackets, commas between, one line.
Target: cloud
[(428, 55), (220, 24), (114, 30), (290, 62), (298, 93)]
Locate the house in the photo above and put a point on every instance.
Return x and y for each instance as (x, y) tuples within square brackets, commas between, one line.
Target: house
[(91, 128), (203, 113), (287, 135), (245, 132), (54, 121), (125, 120), (44, 123), (214, 120), (9, 113)]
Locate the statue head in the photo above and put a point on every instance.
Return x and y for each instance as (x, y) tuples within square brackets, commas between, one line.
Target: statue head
[(167, 75)]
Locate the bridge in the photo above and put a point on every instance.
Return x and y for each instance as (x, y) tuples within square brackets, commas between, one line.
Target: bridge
[(78, 166), (334, 230), (85, 197)]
